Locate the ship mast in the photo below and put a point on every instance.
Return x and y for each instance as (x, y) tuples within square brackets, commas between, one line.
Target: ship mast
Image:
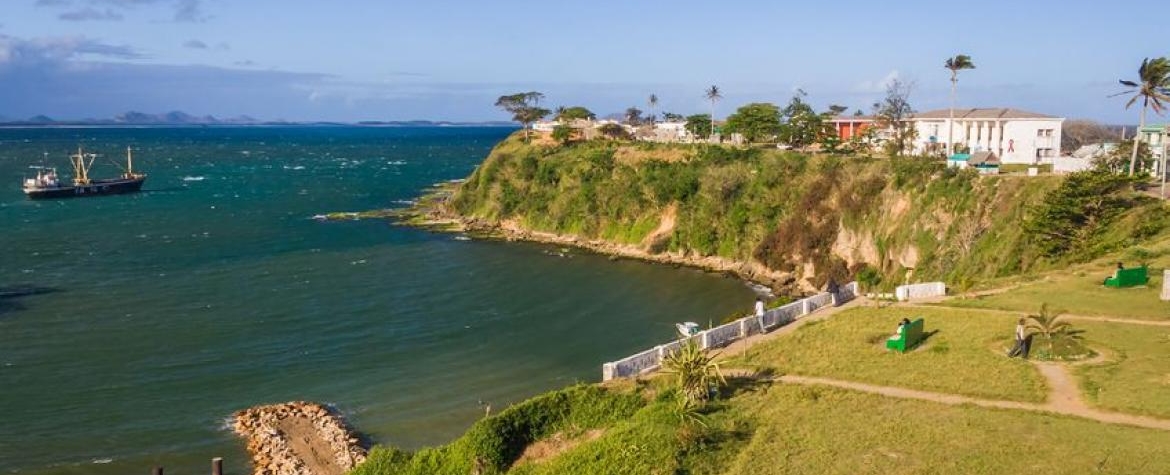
[(81, 167), (129, 164)]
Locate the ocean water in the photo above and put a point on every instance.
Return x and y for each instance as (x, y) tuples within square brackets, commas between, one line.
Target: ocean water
[(132, 326)]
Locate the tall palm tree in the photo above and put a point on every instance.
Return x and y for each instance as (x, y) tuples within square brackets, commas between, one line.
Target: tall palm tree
[(957, 63), (713, 95), (1153, 88), (653, 103)]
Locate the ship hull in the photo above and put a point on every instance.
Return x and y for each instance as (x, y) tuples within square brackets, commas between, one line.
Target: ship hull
[(114, 186)]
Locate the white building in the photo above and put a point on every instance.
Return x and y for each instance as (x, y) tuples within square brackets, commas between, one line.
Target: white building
[(1013, 135)]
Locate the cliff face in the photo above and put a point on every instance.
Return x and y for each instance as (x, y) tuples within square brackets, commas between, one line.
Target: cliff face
[(787, 219)]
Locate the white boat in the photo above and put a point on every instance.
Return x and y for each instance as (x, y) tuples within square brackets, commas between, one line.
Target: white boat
[(687, 329)]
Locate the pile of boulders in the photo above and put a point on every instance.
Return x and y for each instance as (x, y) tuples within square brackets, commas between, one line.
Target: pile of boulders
[(271, 449)]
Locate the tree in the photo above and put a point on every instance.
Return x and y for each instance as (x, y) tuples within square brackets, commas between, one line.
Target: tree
[(1071, 217), (524, 108), (1079, 132), (1152, 87), (695, 370), (893, 114), (633, 116), (672, 117), (613, 131), (1060, 340), (653, 103), (699, 125), (836, 110), (713, 94), (802, 125), (566, 114), (562, 133), (1118, 159), (757, 122), (957, 63)]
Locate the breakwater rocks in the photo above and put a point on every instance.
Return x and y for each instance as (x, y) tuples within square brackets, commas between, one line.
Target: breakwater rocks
[(299, 438)]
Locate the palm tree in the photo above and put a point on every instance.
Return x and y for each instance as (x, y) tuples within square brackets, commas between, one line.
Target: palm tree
[(1152, 87), (1051, 326), (696, 370), (653, 103), (713, 95), (958, 63)]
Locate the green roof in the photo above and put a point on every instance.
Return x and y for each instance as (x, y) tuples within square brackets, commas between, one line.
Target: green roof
[(960, 157)]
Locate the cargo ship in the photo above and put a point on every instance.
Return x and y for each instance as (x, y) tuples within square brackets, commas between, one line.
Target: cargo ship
[(47, 185)]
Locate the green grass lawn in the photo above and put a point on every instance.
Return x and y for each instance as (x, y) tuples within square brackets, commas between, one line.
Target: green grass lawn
[(1137, 380), (958, 358), (1079, 293), (829, 431)]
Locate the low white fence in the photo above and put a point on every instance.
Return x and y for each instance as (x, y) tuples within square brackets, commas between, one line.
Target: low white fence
[(725, 334), (920, 291)]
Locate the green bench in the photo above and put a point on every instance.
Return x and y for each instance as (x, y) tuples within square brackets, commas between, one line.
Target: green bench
[(1128, 277), (910, 337)]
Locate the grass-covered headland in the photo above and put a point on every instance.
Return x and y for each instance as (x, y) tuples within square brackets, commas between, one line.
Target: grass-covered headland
[(807, 217)]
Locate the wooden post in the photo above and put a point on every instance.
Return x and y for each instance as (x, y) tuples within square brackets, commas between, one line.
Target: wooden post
[(157, 470), (217, 466), (1166, 284)]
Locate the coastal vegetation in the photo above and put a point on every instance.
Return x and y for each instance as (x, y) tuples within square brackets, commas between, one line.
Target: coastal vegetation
[(812, 216)]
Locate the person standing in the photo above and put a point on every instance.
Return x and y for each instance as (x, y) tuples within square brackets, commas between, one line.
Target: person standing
[(1020, 349)]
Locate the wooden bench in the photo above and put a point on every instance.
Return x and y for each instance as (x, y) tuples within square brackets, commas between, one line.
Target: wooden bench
[(1131, 277), (910, 337)]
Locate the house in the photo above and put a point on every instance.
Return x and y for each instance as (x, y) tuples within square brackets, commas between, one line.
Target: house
[(848, 127), (1157, 137), (1082, 158), (1013, 135), (984, 162)]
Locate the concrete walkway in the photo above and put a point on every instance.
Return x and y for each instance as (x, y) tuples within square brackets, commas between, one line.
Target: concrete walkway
[(936, 304)]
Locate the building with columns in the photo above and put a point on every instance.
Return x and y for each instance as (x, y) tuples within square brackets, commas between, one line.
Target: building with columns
[(1013, 135)]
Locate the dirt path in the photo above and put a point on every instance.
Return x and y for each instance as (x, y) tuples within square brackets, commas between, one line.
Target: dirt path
[(1087, 318), (1064, 398)]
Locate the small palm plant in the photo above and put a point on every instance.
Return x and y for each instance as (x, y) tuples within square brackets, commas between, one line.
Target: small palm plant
[(696, 371), (1061, 340)]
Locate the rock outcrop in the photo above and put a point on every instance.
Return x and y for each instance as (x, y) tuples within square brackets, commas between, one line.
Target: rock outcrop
[(299, 438)]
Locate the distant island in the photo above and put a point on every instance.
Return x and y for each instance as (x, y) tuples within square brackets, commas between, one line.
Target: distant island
[(179, 118)]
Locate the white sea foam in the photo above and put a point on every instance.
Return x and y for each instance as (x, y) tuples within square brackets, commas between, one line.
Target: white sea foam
[(396, 162), (193, 178), (102, 461)]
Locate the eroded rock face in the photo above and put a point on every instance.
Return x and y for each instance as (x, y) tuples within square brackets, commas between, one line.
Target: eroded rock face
[(299, 438)]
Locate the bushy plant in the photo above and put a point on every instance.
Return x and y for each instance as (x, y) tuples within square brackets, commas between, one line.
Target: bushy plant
[(697, 375), (1055, 336)]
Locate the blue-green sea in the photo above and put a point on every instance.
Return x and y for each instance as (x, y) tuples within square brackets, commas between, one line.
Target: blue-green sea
[(132, 326)]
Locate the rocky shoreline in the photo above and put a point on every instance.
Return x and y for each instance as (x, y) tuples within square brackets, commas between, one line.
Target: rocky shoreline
[(299, 438), (432, 212)]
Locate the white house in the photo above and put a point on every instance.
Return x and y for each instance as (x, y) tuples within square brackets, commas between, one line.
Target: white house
[(1013, 135)]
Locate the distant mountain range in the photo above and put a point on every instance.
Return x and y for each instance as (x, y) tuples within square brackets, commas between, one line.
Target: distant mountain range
[(178, 118)]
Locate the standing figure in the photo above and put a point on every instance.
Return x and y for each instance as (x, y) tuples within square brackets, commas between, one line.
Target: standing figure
[(1021, 347)]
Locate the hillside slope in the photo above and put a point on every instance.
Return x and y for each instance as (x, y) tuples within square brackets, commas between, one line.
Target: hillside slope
[(787, 219)]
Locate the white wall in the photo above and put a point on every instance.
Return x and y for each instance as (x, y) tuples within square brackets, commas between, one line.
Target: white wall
[(1012, 140)]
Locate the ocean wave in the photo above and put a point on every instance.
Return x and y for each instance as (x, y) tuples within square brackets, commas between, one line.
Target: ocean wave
[(193, 178), (102, 461), (396, 162)]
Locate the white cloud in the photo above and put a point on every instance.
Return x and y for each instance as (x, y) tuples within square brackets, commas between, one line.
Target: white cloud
[(878, 85), (194, 44), (91, 14)]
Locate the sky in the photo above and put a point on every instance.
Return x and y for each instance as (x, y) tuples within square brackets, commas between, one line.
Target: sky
[(353, 60)]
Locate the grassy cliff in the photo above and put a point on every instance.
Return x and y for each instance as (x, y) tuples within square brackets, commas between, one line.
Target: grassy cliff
[(805, 217)]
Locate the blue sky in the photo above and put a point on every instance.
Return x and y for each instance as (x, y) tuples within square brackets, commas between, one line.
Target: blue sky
[(449, 59)]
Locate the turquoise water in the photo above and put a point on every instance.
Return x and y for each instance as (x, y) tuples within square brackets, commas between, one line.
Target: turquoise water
[(132, 326)]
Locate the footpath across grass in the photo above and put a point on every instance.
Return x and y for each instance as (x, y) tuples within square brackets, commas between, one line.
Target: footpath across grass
[(814, 430), (1079, 293), (960, 356), (1137, 378)]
